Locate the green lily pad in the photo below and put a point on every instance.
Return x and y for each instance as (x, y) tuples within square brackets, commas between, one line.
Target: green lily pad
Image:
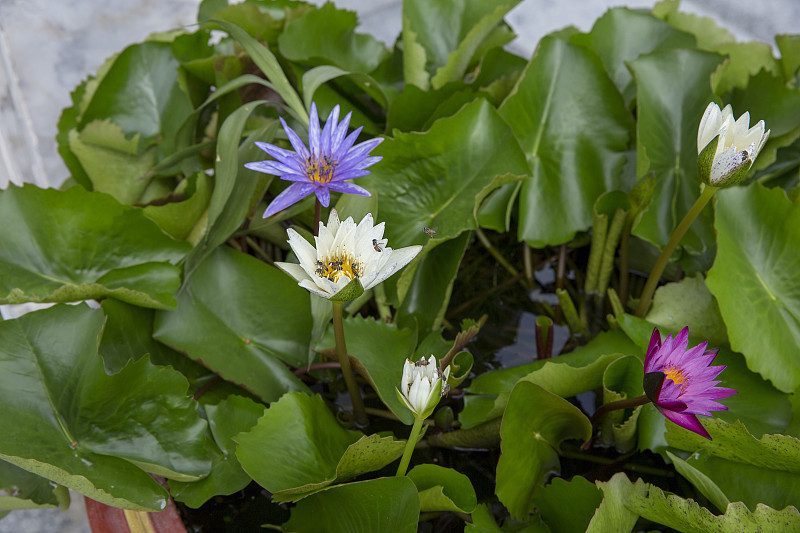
[(568, 506), (443, 489), (233, 415), (689, 302), (739, 482), (20, 489), (574, 127), (242, 319), (441, 39), (383, 504), (625, 501), (701, 481), (84, 245), (308, 449), (368, 454), (530, 443), (438, 178), (758, 240), (86, 430), (111, 167), (673, 90), (327, 35), (178, 219), (643, 33), (140, 92), (735, 443), (305, 444)]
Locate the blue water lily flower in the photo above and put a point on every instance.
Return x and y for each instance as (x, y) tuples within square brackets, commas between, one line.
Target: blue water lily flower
[(326, 165)]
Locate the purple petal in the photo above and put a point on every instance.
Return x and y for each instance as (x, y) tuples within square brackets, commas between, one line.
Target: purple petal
[(686, 421), (297, 144), (357, 164), (291, 195), (655, 343), (271, 167), (676, 406), (284, 156), (339, 133), (295, 177), (346, 186), (350, 175), (323, 195), (348, 141), (313, 131), (327, 131)]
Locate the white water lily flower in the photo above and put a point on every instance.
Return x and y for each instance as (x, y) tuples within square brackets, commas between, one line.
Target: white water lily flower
[(726, 147), (422, 386), (345, 252)]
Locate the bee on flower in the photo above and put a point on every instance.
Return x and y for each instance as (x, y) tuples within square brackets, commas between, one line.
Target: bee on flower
[(344, 252)]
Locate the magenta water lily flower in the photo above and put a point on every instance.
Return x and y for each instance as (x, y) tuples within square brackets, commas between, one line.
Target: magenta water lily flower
[(680, 381), (326, 165)]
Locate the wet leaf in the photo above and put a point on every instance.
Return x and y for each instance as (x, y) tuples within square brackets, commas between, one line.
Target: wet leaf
[(244, 320), (572, 124), (84, 245), (86, 430)]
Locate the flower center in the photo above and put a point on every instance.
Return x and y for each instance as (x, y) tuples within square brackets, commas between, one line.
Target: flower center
[(320, 171), (678, 376), (336, 266)]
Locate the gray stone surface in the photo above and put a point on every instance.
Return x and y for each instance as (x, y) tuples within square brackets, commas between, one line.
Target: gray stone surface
[(48, 46)]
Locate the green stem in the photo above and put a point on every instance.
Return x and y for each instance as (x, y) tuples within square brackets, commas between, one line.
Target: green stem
[(350, 381), (604, 409), (663, 259), (412, 441), (624, 275)]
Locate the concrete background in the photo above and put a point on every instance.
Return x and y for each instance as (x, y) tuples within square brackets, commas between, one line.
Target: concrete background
[(48, 46)]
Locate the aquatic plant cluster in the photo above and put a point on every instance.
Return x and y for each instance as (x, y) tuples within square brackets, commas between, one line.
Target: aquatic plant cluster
[(312, 339)]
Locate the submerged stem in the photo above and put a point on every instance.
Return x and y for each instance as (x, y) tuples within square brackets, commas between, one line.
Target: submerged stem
[(675, 238), (341, 352), (410, 444)]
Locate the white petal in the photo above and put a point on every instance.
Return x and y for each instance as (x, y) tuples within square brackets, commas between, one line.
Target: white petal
[(742, 125), (303, 249), (709, 126), (333, 222), (324, 241), (313, 287), (399, 259), (294, 270), (760, 144), (422, 394)]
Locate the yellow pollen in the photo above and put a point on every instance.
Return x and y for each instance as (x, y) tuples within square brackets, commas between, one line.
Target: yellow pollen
[(319, 171), (335, 267), (678, 376)]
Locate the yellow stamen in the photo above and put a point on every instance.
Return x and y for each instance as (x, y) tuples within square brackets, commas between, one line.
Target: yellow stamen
[(320, 171), (337, 266), (678, 376)]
